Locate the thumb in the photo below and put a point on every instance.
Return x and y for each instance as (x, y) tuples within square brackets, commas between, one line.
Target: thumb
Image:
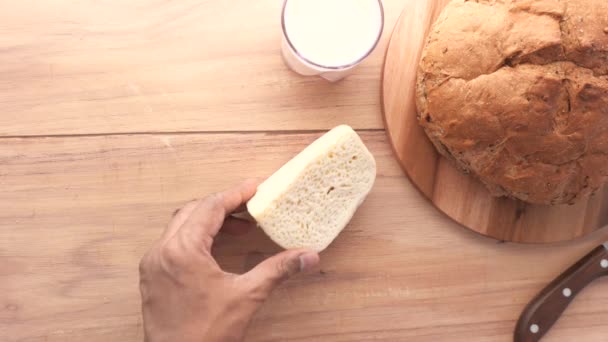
[(271, 272)]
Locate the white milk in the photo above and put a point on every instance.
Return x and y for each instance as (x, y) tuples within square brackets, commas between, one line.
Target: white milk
[(329, 37)]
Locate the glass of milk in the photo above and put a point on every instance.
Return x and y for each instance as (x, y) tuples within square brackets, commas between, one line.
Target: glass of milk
[(329, 37)]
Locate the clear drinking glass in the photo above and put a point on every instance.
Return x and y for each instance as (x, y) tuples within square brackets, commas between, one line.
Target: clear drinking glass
[(329, 38)]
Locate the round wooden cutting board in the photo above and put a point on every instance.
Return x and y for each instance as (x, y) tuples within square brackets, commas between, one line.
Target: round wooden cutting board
[(459, 196)]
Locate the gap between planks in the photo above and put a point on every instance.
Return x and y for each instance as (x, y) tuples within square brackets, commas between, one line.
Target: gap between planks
[(270, 132)]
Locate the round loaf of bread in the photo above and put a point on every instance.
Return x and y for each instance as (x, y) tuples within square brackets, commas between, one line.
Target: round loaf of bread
[(515, 92)]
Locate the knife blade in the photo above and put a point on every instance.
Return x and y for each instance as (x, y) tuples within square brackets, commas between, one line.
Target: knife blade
[(546, 308)]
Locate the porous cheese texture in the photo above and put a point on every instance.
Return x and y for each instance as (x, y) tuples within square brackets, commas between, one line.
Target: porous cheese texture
[(515, 92), (309, 200)]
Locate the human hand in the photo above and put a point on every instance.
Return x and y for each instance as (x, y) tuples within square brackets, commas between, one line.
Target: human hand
[(186, 297)]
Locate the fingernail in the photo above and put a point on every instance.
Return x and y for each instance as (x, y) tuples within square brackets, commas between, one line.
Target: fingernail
[(308, 260)]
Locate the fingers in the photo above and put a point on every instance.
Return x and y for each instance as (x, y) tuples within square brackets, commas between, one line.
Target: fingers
[(179, 217), (270, 273), (236, 198), (208, 216)]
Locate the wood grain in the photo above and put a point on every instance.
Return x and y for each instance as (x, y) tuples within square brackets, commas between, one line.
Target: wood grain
[(83, 191), (547, 307), (92, 67), (460, 196), (78, 212)]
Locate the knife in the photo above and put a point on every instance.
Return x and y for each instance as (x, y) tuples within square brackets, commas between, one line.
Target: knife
[(546, 308)]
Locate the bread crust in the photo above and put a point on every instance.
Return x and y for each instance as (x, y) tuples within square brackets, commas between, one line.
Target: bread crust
[(515, 92)]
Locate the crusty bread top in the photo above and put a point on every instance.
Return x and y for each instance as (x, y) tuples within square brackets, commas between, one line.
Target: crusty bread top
[(516, 93)]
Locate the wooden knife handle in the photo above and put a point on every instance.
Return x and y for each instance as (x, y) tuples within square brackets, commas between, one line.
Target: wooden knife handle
[(546, 308)]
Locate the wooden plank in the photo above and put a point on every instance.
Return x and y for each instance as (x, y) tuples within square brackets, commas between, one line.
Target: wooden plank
[(163, 66), (78, 212)]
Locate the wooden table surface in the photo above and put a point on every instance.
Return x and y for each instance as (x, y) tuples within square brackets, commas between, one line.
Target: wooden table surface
[(114, 113)]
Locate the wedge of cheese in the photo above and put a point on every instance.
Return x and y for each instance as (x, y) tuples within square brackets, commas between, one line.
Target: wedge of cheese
[(309, 200)]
